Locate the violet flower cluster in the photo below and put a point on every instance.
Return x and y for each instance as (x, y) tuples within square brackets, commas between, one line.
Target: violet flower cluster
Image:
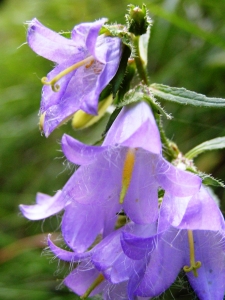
[(171, 225)]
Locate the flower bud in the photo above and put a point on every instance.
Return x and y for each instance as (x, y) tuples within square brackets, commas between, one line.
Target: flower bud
[(138, 19)]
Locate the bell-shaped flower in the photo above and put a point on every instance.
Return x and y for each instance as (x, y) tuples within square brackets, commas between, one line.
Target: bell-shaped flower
[(86, 280), (85, 64), (192, 245), (124, 174)]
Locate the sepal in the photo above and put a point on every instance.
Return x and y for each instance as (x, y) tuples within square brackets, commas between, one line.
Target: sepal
[(138, 20)]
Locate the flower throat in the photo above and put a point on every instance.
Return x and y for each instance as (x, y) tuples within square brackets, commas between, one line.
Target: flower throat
[(127, 173)]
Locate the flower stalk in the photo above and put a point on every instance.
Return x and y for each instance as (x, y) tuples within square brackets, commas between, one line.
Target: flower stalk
[(139, 63)]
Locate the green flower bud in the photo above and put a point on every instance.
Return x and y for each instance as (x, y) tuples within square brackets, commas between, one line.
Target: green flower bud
[(138, 20)]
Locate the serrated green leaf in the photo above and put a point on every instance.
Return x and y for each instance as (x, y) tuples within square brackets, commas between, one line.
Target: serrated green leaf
[(118, 78), (66, 34), (111, 120), (214, 144), (183, 96), (209, 180), (140, 93)]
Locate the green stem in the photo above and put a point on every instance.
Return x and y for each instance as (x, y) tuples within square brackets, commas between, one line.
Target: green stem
[(170, 149), (139, 62)]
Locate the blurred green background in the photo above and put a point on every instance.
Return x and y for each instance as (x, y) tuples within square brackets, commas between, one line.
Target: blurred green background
[(187, 49)]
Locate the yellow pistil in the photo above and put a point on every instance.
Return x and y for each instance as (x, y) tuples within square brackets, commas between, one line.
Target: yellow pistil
[(55, 87), (127, 173), (193, 265), (96, 282)]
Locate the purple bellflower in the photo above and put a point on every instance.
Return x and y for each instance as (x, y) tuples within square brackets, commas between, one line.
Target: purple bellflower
[(85, 64), (87, 280), (204, 264), (197, 245), (124, 173)]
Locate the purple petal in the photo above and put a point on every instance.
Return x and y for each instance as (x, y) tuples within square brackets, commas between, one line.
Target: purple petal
[(164, 265), (172, 211), (210, 250), (141, 200), (115, 291), (46, 206), (81, 278), (99, 182), (80, 32), (51, 98), (175, 181), (111, 49), (66, 255), (134, 127), (92, 36), (108, 257), (48, 43), (60, 106), (80, 226), (138, 240), (195, 213), (79, 153)]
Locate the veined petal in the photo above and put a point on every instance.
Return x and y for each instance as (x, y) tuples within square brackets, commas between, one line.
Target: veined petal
[(109, 259), (138, 240), (51, 98), (210, 250), (111, 50), (46, 206), (66, 255), (100, 182), (137, 247), (134, 127), (141, 200), (80, 226), (48, 43), (91, 39), (82, 277), (164, 265), (79, 153), (177, 182), (200, 209), (80, 32)]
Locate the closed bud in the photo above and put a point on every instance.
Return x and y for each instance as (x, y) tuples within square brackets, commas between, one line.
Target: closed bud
[(138, 19)]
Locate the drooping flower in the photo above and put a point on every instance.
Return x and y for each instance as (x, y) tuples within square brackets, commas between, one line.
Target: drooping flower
[(124, 173), (196, 245), (85, 64), (86, 280)]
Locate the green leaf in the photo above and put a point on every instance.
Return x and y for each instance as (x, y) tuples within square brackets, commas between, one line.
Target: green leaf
[(214, 144), (118, 78), (111, 120), (183, 96), (140, 93), (209, 180)]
